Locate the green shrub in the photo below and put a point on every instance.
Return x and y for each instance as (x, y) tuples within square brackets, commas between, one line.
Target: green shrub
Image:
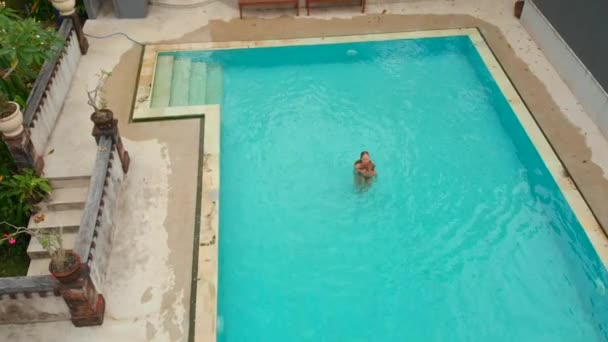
[(24, 46), (16, 194), (13, 260)]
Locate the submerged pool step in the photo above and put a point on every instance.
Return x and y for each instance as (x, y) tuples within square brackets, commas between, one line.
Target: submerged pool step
[(198, 83), (161, 91), (180, 82), (214, 84)]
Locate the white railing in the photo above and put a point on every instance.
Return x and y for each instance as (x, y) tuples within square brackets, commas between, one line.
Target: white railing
[(51, 88), (94, 242)]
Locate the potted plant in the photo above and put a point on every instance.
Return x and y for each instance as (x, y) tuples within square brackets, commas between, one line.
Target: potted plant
[(11, 118), (101, 113), (64, 265), (27, 187), (65, 7)]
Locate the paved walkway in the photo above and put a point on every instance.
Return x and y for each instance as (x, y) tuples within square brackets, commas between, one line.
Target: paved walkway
[(148, 297)]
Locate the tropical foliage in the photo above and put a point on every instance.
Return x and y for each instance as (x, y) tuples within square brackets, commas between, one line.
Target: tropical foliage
[(18, 194), (13, 261), (26, 42), (24, 46)]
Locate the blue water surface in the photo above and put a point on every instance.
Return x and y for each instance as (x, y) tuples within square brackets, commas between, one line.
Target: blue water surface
[(463, 236)]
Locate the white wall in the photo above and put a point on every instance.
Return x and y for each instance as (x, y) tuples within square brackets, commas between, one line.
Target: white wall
[(582, 83)]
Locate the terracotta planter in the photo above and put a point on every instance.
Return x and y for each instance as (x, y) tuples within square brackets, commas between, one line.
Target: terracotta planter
[(519, 7), (12, 125), (65, 7), (104, 122), (102, 117), (72, 274)]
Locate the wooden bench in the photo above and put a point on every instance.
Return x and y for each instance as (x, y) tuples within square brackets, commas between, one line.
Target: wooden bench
[(244, 3), (308, 2)]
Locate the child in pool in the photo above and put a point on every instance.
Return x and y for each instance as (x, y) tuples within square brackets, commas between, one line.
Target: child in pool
[(364, 166)]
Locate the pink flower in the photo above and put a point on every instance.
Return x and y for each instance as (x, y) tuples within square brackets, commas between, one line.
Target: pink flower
[(12, 241), (5, 235)]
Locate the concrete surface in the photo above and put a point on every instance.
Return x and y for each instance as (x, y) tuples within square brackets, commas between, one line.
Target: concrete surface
[(149, 286)]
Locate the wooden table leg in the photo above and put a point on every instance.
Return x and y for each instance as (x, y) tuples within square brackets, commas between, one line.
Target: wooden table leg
[(362, 6), (307, 7), (241, 10), (297, 7)]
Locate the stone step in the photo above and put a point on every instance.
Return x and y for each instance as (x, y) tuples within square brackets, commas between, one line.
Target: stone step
[(161, 90), (198, 84), (68, 219), (70, 182), (38, 267), (214, 84), (66, 199), (180, 82), (36, 251)]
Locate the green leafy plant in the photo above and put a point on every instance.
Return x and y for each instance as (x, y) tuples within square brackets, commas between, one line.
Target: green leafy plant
[(14, 261), (50, 239), (41, 10), (28, 188), (24, 46)]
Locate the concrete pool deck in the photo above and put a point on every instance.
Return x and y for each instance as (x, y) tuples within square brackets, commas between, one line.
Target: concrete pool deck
[(149, 297)]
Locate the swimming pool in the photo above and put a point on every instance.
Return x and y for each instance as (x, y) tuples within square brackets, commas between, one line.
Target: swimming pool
[(463, 236)]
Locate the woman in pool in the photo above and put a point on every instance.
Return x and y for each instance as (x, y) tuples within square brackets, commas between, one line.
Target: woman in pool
[(364, 166)]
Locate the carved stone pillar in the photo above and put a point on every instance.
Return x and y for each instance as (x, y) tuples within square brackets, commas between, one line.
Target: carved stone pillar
[(22, 149), (83, 43), (67, 9)]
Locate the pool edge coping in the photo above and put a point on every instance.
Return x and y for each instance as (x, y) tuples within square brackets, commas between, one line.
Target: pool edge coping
[(578, 205), (203, 317), (210, 166)]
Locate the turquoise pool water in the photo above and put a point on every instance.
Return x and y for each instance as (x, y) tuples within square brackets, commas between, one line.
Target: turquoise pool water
[(463, 236)]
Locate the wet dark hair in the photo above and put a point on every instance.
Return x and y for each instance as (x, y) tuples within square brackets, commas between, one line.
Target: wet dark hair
[(361, 157)]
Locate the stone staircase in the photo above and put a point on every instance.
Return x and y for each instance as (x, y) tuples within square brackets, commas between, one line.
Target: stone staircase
[(184, 81), (62, 209)]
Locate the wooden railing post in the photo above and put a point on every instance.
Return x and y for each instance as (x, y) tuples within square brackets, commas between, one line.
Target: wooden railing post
[(23, 152), (105, 124), (83, 43), (67, 9)]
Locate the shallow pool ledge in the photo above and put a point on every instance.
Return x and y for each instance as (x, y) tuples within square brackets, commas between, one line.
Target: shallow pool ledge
[(205, 321)]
